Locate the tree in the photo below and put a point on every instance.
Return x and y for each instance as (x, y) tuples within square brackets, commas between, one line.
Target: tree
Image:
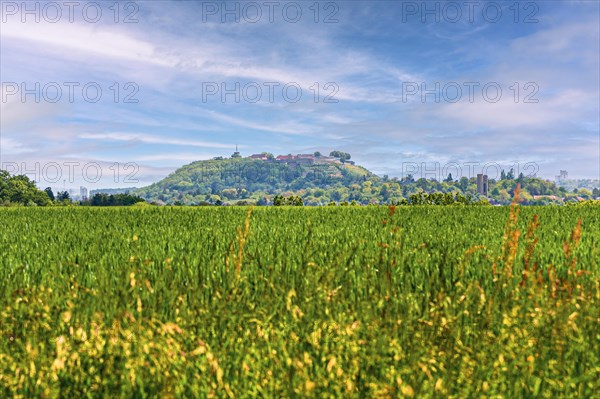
[(502, 175), (48, 191), (103, 199), (511, 174), (317, 154), (407, 179), (464, 183), (384, 192), (449, 179), (585, 193), (342, 156), (230, 193), (63, 196), (20, 190), (293, 200), (336, 195)]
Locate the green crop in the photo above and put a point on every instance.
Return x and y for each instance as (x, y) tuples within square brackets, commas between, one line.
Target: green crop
[(330, 302)]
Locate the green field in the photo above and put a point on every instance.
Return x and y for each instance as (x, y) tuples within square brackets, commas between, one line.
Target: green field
[(330, 302)]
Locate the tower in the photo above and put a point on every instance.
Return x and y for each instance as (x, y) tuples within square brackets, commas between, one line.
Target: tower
[(564, 175), (236, 154), (482, 184)]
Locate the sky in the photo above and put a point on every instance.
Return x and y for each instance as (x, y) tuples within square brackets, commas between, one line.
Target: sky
[(106, 94)]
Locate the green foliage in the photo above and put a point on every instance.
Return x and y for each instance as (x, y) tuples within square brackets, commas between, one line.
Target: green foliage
[(241, 179), (249, 179), (292, 200), (340, 302), (50, 193), (101, 199), (587, 203), (342, 156), (421, 198), (63, 196), (19, 190)]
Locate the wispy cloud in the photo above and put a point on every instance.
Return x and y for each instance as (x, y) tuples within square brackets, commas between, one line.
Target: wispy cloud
[(146, 138)]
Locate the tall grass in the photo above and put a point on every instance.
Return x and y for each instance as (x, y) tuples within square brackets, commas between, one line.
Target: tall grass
[(331, 302)]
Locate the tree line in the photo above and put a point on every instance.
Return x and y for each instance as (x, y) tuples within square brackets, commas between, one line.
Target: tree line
[(19, 190)]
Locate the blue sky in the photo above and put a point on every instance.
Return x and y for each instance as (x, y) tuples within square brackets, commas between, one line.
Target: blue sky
[(370, 56)]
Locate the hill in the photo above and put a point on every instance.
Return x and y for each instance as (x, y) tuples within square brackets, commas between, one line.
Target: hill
[(255, 179)]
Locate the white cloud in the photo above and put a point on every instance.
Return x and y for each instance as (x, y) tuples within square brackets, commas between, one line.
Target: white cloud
[(85, 38), (508, 114), (150, 139), (287, 128)]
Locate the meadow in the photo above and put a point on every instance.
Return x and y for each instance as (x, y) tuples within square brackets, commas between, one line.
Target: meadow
[(288, 302)]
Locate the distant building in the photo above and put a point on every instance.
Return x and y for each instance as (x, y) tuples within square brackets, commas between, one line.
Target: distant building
[(83, 192), (482, 184), (74, 194), (305, 158), (298, 159), (550, 197), (284, 158), (563, 175), (262, 157), (323, 159)]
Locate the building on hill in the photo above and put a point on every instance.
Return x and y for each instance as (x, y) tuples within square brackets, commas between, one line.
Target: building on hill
[(262, 157), (284, 158), (307, 159), (550, 197), (325, 159)]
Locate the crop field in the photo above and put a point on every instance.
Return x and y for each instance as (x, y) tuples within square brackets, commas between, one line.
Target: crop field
[(288, 302)]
